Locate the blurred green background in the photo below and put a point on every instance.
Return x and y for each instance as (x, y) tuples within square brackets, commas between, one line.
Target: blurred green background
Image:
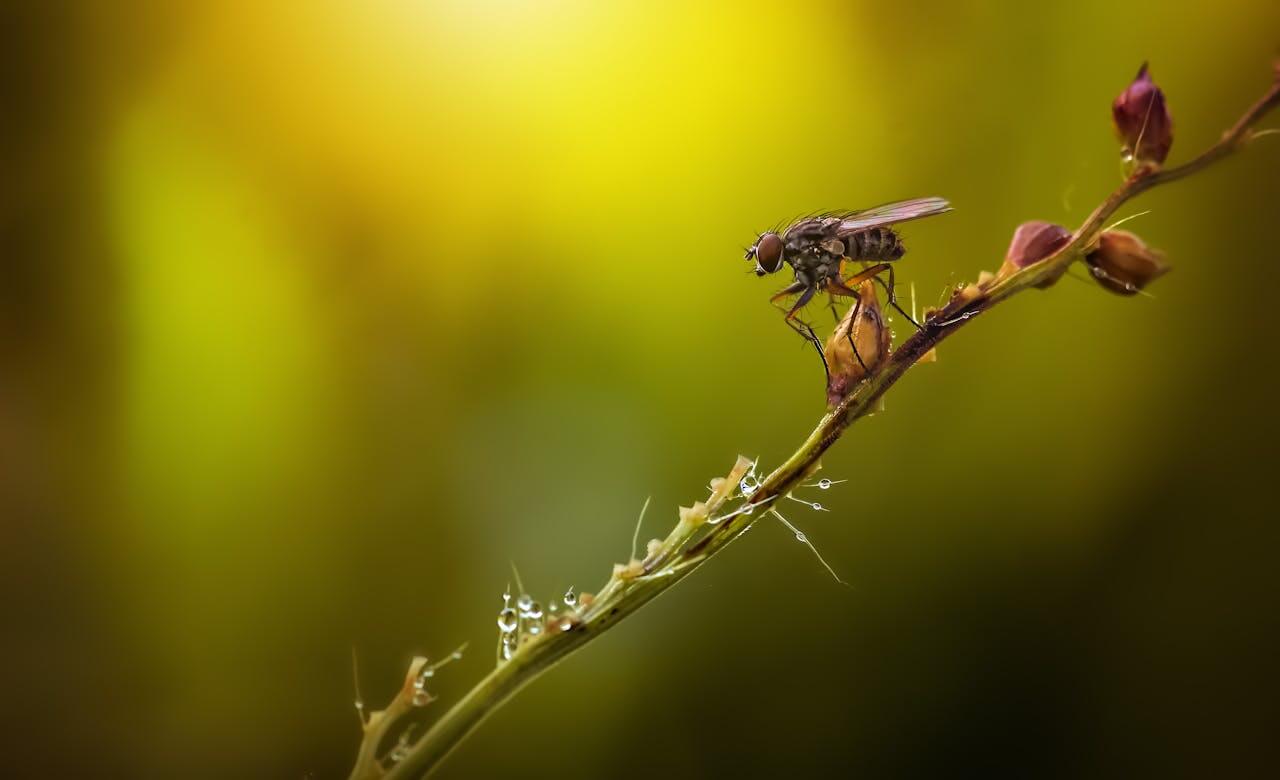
[(314, 317)]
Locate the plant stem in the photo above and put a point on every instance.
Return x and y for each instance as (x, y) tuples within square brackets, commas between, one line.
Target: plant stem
[(624, 594)]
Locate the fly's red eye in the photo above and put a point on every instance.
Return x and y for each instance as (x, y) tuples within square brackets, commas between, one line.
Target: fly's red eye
[(768, 253)]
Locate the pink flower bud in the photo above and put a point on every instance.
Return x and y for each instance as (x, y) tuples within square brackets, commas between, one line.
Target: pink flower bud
[(1123, 264), (1033, 242), (1142, 120)]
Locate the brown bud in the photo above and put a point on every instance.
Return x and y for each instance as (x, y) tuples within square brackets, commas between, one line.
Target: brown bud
[(628, 571), (868, 332), (964, 295), (1033, 242), (1142, 120), (1123, 264)]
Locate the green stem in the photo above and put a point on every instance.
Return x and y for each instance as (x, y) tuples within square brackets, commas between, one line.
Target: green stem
[(622, 595)]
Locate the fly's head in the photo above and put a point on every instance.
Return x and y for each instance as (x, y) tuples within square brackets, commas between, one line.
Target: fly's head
[(767, 252)]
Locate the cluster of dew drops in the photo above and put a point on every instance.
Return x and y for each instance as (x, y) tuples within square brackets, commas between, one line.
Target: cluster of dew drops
[(421, 696), (528, 619), (751, 482)]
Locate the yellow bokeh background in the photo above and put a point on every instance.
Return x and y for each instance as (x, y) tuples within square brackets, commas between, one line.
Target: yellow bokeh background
[(318, 315)]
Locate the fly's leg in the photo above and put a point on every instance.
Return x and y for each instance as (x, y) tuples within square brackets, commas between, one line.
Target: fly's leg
[(891, 289), (800, 326), (873, 272), (806, 332), (870, 272), (835, 287)]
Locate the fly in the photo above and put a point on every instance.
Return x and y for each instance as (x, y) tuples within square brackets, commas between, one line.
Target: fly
[(818, 249)]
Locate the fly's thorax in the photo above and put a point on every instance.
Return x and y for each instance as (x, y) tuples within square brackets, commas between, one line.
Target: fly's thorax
[(813, 264)]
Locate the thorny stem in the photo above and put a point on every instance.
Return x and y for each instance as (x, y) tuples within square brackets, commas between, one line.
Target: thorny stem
[(627, 591)]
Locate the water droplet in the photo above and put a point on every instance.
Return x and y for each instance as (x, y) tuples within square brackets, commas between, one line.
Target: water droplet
[(535, 629), (399, 754), (570, 598), (553, 607), (524, 602), (421, 698), (507, 620), (506, 652), (457, 655), (749, 509), (566, 625), (534, 612), (359, 705), (823, 484), (817, 506), (426, 672), (802, 538)]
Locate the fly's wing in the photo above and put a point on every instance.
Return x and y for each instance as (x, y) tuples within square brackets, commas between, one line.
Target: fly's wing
[(890, 213)]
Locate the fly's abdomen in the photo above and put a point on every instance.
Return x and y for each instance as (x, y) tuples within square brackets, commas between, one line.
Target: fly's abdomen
[(878, 244)]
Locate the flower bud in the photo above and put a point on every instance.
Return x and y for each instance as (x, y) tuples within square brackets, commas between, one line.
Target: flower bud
[(1123, 264), (1033, 242), (1142, 120), (868, 333)]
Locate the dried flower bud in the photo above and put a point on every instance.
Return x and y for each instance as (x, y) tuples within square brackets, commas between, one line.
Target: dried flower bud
[(1142, 120), (722, 487), (868, 333), (1033, 242), (965, 295), (628, 571), (415, 668), (1123, 264), (693, 516)]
